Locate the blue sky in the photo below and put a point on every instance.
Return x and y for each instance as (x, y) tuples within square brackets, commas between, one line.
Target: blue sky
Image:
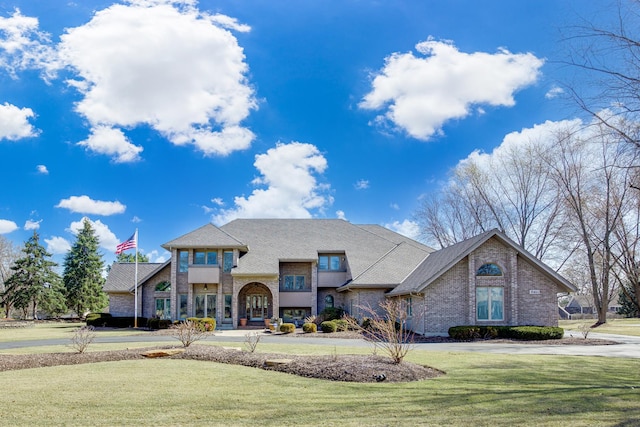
[(165, 115)]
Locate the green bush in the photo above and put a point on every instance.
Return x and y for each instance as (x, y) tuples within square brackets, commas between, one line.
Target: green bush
[(309, 328), (156, 323), (525, 333), (117, 322), (287, 328), (341, 325), (332, 313), (207, 324), (92, 316), (97, 319), (328, 326)]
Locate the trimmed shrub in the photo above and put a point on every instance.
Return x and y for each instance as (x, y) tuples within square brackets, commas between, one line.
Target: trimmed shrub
[(92, 316), (309, 328), (116, 322), (341, 325), (156, 323), (287, 328), (331, 313), (525, 333), (328, 327), (97, 319), (207, 324)]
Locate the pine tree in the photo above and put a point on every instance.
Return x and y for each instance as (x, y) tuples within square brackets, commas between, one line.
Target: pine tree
[(82, 277), (33, 276), (628, 307)]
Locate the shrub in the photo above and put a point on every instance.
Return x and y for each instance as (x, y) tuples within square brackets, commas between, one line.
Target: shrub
[(188, 332), (309, 328), (207, 324), (328, 326), (82, 337), (526, 333), (251, 340), (331, 313), (287, 328), (115, 322), (341, 325), (92, 316), (156, 323)]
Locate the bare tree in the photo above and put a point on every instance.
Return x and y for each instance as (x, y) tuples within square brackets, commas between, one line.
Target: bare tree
[(9, 253)]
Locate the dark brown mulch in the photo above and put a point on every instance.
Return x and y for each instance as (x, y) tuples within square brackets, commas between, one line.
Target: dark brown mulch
[(351, 368)]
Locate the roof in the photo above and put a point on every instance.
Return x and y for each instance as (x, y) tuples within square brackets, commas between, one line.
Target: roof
[(207, 236), (441, 261), (121, 276), (271, 241)]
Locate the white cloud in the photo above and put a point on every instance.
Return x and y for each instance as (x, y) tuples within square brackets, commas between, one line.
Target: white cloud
[(14, 122), (112, 142), (32, 225), (155, 256), (406, 228), (554, 92), (58, 245), (23, 47), (108, 240), (292, 191), (394, 206), (85, 205), (341, 215), (217, 201), (7, 226), (421, 94), (42, 169), (362, 184), (132, 61), (136, 219)]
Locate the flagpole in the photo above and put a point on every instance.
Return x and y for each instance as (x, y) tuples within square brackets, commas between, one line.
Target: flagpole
[(135, 286)]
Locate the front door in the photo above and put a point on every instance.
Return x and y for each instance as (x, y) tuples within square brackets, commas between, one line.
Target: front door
[(257, 306)]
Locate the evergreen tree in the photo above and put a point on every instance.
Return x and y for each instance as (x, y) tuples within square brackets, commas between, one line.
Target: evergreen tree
[(33, 276), (83, 266), (628, 307), (124, 257)]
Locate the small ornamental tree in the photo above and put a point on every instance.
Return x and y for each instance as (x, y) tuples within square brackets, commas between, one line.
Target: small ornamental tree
[(82, 276)]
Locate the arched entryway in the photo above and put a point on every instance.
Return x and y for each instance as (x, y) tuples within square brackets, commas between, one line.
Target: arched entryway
[(255, 303)]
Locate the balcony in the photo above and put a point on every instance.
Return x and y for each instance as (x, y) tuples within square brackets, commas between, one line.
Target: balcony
[(204, 274)]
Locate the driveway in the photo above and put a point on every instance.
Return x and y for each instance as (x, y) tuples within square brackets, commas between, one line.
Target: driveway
[(627, 347)]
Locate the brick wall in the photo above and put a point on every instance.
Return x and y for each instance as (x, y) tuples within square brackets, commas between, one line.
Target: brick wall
[(121, 304)]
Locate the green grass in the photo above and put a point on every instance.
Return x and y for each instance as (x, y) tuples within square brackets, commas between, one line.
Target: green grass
[(478, 390), (51, 330), (613, 326)]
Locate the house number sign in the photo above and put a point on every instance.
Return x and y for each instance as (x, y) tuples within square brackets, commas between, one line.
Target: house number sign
[(534, 292)]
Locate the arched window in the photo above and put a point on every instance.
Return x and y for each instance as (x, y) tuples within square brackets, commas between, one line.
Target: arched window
[(489, 269), (328, 301), (163, 286)]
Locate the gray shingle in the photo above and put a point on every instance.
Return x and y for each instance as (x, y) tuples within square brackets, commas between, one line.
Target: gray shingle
[(207, 236), (121, 277)]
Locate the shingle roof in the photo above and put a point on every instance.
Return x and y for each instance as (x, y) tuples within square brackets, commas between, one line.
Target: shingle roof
[(121, 277), (441, 261), (273, 240), (207, 236)]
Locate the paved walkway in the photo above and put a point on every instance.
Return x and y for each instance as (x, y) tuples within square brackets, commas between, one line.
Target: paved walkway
[(628, 347)]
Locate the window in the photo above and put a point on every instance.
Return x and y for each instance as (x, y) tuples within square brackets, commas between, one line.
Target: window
[(292, 283), (205, 257), (294, 315), (489, 270), (212, 257), (183, 261), (163, 286), (489, 303), (228, 261), (330, 263), (204, 305), (227, 307), (182, 311), (199, 257), (408, 305), (163, 308), (328, 301)]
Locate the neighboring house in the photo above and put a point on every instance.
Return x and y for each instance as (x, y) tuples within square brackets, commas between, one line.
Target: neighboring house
[(583, 304), (255, 269)]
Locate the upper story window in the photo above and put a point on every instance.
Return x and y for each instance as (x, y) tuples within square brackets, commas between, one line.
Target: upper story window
[(328, 301), (489, 269), (183, 261), (163, 286), (205, 257), (330, 263), (227, 261), (293, 283)]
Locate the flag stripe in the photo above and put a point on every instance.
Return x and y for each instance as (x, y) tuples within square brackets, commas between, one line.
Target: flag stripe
[(130, 243)]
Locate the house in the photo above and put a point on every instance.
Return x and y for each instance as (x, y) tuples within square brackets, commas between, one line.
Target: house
[(254, 269), (583, 305)]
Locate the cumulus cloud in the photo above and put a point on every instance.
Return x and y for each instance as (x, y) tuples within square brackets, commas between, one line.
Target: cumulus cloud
[(7, 226), (32, 225), (421, 93), (291, 189), (362, 184), (341, 215), (14, 122), (112, 142), (155, 256), (57, 245), (107, 239), (407, 228), (42, 169), (85, 205), (132, 63), (554, 92)]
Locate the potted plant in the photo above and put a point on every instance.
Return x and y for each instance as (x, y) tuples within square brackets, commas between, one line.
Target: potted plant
[(243, 321)]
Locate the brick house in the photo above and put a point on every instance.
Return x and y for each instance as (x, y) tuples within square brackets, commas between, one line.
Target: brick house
[(254, 269)]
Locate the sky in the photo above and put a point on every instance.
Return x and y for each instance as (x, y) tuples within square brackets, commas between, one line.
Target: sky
[(163, 115)]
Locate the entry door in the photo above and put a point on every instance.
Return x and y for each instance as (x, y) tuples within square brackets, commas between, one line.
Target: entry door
[(257, 307)]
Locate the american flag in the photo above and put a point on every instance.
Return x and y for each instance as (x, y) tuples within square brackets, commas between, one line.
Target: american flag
[(130, 243)]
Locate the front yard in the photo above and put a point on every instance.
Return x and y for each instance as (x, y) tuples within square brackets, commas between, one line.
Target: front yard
[(613, 326)]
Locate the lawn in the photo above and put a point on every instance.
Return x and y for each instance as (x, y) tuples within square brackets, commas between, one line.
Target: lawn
[(478, 389), (613, 326), (56, 330)]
